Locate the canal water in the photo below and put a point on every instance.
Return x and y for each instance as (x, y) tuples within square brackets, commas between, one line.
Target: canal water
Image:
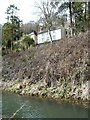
[(39, 108), (0, 104)]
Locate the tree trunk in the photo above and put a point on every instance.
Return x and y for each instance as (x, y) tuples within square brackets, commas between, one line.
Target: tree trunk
[(89, 15), (70, 12), (50, 35), (85, 16), (11, 45), (85, 11)]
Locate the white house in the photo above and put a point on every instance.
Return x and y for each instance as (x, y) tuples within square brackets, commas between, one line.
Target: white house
[(34, 36), (43, 37)]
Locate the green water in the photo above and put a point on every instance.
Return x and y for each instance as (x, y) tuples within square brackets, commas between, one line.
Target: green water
[(38, 108), (0, 105)]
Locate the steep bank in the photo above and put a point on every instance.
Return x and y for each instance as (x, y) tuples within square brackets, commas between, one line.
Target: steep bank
[(59, 70)]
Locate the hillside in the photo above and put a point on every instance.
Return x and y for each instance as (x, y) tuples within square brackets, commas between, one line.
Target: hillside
[(59, 70)]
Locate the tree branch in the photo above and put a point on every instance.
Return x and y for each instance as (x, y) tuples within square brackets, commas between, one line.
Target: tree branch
[(17, 111)]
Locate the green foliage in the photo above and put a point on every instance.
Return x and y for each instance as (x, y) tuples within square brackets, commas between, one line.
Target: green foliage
[(46, 42), (7, 35), (79, 13), (24, 43), (88, 18), (11, 29), (28, 41), (79, 16), (78, 75)]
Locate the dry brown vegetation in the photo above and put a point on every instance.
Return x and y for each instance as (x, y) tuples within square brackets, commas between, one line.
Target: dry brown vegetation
[(66, 60)]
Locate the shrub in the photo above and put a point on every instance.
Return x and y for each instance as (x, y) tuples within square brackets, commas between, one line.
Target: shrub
[(24, 43), (28, 41)]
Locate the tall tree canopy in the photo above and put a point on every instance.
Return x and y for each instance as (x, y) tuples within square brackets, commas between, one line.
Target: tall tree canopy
[(78, 14), (11, 29), (7, 36), (49, 14)]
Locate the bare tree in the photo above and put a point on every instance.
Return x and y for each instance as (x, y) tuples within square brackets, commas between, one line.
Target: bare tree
[(48, 11), (29, 27)]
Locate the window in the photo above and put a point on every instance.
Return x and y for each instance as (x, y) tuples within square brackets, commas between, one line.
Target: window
[(54, 37), (47, 37), (42, 35), (54, 31), (42, 38)]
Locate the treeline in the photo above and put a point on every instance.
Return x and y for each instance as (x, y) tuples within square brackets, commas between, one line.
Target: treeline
[(13, 31), (59, 12), (53, 13)]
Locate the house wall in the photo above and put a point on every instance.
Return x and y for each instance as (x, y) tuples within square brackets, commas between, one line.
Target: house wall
[(32, 35), (63, 34), (44, 37)]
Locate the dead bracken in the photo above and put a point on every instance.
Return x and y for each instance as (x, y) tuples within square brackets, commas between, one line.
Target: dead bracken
[(59, 70)]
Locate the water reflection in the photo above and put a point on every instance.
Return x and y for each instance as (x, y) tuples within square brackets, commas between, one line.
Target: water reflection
[(0, 105), (38, 108)]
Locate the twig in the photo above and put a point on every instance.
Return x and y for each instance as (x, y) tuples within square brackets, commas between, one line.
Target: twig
[(17, 111)]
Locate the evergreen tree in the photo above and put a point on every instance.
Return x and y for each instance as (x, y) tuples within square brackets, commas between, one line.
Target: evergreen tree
[(78, 13), (6, 35), (12, 26), (88, 18)]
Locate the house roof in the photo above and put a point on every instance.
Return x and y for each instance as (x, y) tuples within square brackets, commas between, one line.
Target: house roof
[(50, 30), (33, 33)]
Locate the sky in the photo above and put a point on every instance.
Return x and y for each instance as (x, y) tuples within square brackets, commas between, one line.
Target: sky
[(27, 11)]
